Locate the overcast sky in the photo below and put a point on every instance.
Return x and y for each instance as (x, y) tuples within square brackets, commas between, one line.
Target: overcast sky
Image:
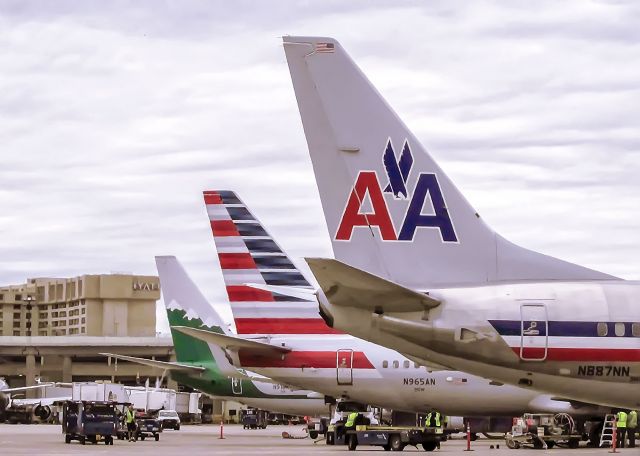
[(115, 115)]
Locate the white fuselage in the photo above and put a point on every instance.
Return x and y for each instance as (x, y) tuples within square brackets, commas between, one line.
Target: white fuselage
[(576, 340), (343, 366)]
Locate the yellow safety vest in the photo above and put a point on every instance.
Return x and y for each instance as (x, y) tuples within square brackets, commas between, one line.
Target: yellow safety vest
[(351, 419), (622, 420), (437, 416), (130, 416), (632, 421)]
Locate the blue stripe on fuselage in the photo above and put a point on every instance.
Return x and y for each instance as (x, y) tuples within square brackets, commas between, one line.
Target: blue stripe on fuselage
[(563, 328)]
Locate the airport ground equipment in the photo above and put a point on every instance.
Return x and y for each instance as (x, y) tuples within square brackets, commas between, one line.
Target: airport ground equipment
[(608, 431), (543, 430), (169, 419), (340, 414), (369, 431), (89, 421), (317, 427), (394, 437), (147, 426), (254, 419)]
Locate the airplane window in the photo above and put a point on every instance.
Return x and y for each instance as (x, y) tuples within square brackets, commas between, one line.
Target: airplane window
[(385, 364), (396, 364), (416, 365), (602, 329), (635, 329), (406, 364), (619, 329)]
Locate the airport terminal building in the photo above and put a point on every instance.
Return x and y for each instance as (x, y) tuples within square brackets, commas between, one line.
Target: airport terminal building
[(55, 329)]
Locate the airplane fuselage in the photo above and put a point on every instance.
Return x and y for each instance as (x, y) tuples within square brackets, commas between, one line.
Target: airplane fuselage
[(343, 366), (580, 340)]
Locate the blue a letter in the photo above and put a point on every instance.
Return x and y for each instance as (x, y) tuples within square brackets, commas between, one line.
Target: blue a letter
[(427, 185)]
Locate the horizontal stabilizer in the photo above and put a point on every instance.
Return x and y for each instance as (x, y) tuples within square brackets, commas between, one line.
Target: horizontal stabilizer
[(296, 292), (429, 365), (244, 375), (157, 364), (345, 285), (230, 342)]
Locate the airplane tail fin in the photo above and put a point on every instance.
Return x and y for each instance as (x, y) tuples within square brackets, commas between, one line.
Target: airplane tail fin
[(389, 207), (249, 255), (187, 306)]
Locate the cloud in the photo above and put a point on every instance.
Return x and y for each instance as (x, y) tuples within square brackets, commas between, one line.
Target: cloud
[(114, 116)]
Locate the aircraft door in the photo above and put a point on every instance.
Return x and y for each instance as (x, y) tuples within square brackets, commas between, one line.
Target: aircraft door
[(534, 332), (236, 385), (344, 366)]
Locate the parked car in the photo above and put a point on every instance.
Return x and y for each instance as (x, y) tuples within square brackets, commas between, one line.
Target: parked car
[(169, 419)]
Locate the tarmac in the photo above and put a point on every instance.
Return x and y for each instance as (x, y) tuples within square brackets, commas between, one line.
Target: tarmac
[(204, 440)]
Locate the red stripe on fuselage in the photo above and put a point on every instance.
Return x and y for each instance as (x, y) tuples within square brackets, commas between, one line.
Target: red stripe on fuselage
[(237, 261), (582, 354), (224, 228), (283, 326), (301, 359), (243, 293)]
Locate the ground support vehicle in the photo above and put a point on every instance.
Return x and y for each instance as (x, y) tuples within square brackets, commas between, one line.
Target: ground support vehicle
[(317, 427), (254, 419), (394, 437), (542, 431), (334, 433), (169, 419), (147, 426), (89, 421)]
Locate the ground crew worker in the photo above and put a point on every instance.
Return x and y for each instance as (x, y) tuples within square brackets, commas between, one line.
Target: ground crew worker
[(130, 420), (341, 429), (351, 420), (621, 425), (632, 426), (433, 419)]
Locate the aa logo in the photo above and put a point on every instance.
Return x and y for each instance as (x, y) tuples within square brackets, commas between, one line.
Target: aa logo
[(367, 188)]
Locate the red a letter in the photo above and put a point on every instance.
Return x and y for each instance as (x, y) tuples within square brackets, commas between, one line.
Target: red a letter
[(366, 183)]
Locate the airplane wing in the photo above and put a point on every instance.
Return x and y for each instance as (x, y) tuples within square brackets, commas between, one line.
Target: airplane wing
[(345, 285), (43, 401), (171, 366), (230, 342), (26, 388)]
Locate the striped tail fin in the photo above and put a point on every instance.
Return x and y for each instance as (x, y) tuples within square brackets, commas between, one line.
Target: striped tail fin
[(249, 255)]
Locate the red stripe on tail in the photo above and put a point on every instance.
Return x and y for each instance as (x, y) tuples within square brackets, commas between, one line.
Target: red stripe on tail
[(243, 293), (212, 198), (283, 326), (224, 228), (237, 261)]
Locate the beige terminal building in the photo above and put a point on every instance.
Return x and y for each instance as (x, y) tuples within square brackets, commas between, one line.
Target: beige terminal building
[(54, 329)]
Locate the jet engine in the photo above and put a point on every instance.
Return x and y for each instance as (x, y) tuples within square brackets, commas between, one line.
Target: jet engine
[(43, 412), (4, 402)]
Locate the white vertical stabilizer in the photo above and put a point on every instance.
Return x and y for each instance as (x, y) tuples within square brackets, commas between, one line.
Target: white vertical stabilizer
[(389, 207)]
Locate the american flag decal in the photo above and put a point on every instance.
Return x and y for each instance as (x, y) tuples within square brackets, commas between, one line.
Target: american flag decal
[(325, 47)]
